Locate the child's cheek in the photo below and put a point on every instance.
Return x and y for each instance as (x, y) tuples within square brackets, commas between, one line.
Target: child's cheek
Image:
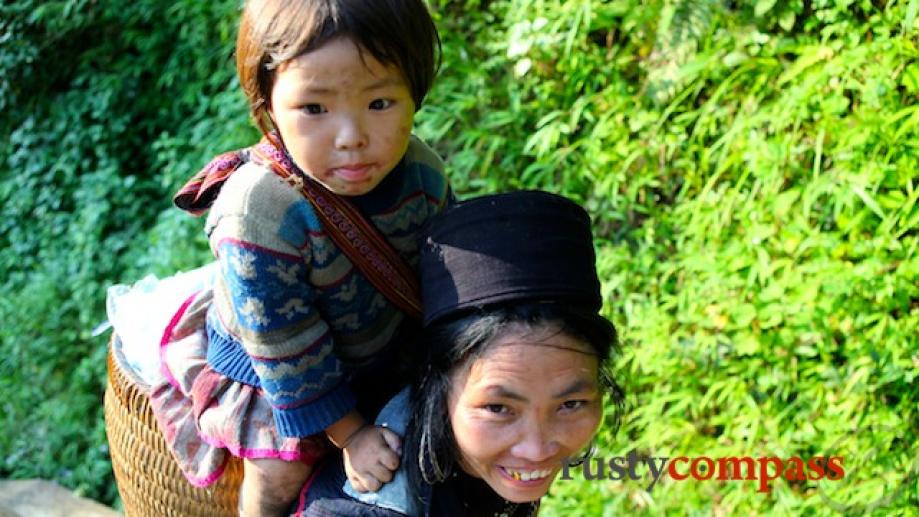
[(402, 133), (406, 127)]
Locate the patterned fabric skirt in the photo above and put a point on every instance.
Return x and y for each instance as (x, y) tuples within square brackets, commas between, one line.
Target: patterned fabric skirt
[(206, 416)]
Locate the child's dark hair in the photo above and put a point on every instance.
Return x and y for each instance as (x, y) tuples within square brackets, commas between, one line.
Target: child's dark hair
[(455, 343), (272, 32)]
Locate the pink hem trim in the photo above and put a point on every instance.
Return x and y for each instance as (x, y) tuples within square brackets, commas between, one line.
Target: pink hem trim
[(167, 337), (210, 479), (301, 504), (242, 452)]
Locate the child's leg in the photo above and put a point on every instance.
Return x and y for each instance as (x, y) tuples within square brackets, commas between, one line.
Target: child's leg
[(270, 486)]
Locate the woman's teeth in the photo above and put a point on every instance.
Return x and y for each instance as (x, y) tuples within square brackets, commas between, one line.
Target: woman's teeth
[(528, 475)]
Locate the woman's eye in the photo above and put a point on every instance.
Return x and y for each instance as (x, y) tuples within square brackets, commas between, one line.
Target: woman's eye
[(498, 409), (380, 104), (572, 405), (314, 109)]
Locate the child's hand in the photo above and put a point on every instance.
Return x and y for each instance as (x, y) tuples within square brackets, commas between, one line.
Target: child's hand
[(371, 456)]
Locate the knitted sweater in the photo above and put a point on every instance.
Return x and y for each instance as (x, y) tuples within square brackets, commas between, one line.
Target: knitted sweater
[(291, 314)]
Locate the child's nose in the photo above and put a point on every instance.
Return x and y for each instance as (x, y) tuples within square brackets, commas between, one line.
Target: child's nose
[(351, 134)]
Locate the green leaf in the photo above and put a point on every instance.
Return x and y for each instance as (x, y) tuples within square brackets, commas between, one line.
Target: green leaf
[(868, 200), (762, 7), (909, 79), (909, 19), (787, 20)]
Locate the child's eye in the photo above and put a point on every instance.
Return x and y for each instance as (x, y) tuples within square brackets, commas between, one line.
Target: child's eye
[(380, 104), (314, 109)]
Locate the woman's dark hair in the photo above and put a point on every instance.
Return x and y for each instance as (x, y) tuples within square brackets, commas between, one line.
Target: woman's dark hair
[(454, 343), (272, 32)]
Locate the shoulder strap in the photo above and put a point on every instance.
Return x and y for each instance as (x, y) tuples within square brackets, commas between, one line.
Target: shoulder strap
[(370, 252)]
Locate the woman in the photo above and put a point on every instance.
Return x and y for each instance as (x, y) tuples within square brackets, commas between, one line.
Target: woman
[(510, 384)]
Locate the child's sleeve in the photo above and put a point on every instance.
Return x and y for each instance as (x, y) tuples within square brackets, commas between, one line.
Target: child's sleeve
[(265, 299)]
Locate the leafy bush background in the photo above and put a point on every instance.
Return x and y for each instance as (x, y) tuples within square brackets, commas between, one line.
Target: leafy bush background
[(750, 167)]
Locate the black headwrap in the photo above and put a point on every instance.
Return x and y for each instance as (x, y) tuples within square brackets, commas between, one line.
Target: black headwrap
[(528, 245)]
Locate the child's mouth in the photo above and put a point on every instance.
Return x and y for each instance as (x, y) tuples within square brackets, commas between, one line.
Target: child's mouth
[(355, 172)]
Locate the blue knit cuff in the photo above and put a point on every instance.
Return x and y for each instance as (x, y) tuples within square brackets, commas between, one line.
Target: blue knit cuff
[(314, 416), (228, 357)]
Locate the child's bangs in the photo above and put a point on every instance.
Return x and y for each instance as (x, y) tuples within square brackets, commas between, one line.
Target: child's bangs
[(304, 30)]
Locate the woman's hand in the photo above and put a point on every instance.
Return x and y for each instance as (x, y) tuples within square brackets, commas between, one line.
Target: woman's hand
[(371, 456)]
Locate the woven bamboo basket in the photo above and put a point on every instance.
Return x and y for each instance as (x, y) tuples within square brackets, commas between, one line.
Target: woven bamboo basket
[(149, 480)]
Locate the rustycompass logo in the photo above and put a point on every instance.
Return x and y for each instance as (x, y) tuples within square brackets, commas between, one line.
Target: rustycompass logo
[(763, 470), (867, 469)]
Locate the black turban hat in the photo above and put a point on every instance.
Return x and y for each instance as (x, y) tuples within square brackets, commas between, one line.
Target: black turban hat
[(520, 246)]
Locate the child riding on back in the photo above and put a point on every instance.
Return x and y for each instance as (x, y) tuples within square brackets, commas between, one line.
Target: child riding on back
[(272, 362)]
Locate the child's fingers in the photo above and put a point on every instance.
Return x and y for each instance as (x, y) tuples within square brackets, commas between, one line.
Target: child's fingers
[(382, 473), (369, 483), (357, 484), (392, 440), (388, 459), (373, 479)]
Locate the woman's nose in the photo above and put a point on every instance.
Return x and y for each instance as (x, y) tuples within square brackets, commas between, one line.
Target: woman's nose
[(537, 443), (351, 134)]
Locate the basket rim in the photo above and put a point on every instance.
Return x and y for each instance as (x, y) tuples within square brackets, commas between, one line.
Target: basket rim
[(117, 349)]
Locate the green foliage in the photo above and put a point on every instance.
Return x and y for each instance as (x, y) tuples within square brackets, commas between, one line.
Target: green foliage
[(751, 173), (750, 167), (108, 107)]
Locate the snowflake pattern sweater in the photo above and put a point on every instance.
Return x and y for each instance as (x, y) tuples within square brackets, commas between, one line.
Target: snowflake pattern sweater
[(291, 314)]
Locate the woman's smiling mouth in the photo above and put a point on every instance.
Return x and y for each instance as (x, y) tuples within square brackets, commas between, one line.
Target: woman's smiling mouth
[(526, 476)]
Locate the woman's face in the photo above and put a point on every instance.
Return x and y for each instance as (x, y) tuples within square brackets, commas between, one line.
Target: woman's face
[(530, 401)]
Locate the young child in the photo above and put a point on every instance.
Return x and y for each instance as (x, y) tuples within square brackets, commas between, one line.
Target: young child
[(271, 363)]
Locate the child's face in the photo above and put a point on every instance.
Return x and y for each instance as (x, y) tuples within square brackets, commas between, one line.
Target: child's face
[(345, 121)]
